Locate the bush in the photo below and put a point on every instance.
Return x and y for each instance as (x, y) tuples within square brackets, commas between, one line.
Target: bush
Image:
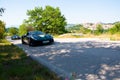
[(2, 29)]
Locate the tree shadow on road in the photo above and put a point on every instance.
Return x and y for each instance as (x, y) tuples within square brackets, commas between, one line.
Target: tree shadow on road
[(89, 60)]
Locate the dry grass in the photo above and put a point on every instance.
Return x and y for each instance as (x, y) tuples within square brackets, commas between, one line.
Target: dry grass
[(114, 37)]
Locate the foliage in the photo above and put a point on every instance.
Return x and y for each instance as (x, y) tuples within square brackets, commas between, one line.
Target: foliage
[(75, 28), (22, 29), (99, 29), (85, 30), (78, 29), (48, 20), (13, 30), (30, 28), (115, 28), (2, 29), (4, 42), (1, 11)]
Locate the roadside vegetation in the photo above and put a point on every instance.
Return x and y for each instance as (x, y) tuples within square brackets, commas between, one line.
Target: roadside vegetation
[(114, 37), (79, 31), (50, 20), (16, 65), (76, 31)]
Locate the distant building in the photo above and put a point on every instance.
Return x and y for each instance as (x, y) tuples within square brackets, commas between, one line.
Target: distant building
[(107, 25), (93, 26)]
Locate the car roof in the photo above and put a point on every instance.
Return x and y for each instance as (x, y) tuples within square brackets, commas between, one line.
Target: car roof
[(32, 32)]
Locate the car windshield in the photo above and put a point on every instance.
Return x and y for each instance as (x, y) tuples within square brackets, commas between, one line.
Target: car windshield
[(36, 33), (15, 35)]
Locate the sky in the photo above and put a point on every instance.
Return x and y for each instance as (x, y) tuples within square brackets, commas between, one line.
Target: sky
[(75, 11)]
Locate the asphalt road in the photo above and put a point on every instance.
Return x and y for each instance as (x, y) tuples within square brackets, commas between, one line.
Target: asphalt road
[(82, 59)]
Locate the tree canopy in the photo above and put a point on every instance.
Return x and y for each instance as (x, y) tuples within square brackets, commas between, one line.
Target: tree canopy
[(13, 30), (78, 29), (2, 29), (48, 20), (99, 29), (1, 11), (115, 28), (22, 29)]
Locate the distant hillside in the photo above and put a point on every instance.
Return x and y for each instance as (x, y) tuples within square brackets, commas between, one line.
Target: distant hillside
[(70, 25)]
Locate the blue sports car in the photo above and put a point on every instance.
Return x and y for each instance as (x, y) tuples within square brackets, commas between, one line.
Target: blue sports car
[(15, 37), (36, 38)]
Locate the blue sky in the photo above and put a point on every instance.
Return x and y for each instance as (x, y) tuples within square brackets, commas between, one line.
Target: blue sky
[(75, 11)]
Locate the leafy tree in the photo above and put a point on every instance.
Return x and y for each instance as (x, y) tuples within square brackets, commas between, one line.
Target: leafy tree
[(84, 30), (112, 30), (30, 28), (2, 29), (22, 29), (1, 11), (75, 28), (48, 20), (78, 29), (99, 29), (115, 28), (13, 30)]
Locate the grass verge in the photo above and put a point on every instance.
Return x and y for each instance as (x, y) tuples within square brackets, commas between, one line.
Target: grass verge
[(112, 37), (16, 65)]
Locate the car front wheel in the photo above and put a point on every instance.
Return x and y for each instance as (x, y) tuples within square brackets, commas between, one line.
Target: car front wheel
[(23, 41), (51, 41), (30, 43)]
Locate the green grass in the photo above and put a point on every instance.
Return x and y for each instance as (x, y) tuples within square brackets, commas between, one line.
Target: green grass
[(16, 65), (4, 42)]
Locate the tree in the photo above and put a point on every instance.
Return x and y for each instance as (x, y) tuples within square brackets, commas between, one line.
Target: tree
[(78, 29), (115, 28), (75, 28), (99, 29), (2, 29), (22, 29), (13, 30), (1, 11), (48, 20)]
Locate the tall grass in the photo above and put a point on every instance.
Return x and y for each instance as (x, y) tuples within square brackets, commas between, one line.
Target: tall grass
[(16, 65)]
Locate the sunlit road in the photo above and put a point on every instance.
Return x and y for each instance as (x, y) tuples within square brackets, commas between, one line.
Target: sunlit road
[(86, 59)]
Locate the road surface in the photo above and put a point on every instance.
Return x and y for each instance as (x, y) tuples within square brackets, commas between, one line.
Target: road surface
[(81, 59)]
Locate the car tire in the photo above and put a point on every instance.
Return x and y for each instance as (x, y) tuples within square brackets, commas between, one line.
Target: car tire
[(52, 40), (23, 41), (30, 42)]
